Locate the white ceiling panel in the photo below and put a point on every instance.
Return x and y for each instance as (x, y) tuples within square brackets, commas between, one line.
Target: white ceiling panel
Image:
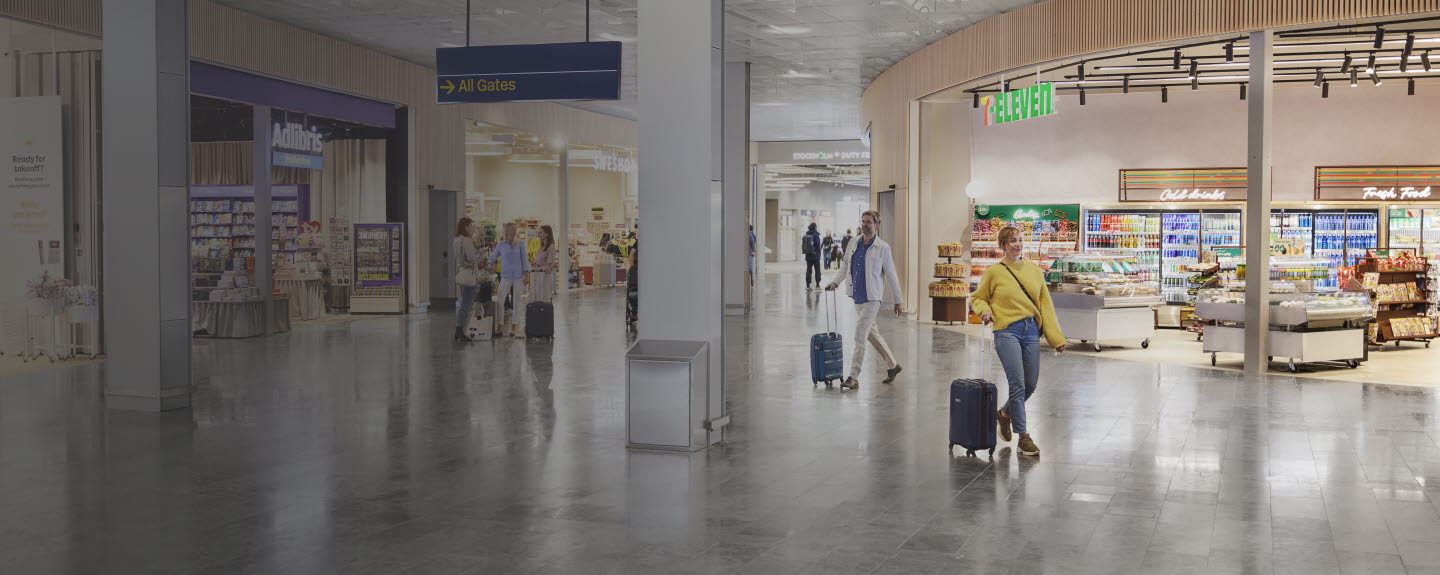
[(811, 58)]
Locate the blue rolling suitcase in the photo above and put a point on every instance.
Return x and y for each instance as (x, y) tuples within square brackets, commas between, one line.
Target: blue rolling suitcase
[(973, 403), (827, 353)]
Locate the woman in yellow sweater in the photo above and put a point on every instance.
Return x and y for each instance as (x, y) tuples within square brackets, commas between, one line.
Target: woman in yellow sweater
[(1012, 295)]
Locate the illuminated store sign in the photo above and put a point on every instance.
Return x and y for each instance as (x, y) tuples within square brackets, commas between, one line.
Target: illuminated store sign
[(1184, 185), (296, 145), (1376, 183), (606, 161), (829, 156), (1192, 195), (1035, 101)]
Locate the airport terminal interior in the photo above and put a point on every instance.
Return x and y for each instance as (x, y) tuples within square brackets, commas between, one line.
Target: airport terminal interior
[(719, 287)]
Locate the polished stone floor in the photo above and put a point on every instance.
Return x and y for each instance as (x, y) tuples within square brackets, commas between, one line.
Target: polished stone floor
[(380, 446)]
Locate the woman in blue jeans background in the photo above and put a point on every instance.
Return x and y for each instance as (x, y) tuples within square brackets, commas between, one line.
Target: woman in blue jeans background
[(462, 249), (1013, 295)]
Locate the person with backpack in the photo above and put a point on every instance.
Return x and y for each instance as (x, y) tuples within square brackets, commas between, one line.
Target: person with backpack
[(810, 246), (1013, 297)]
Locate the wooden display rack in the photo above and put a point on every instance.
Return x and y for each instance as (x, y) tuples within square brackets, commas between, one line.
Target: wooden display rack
[(950, 309), (1396, 309)]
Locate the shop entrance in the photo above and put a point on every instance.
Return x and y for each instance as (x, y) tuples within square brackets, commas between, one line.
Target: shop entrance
[(886, 201)]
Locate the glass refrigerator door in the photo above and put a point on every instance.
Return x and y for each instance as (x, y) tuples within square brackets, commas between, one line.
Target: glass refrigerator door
[(1330, 236), (1220, 229), (1362, 234), (1430, 231), (1405, 227), (1180, 247), (1129, 234), (1293, 226)]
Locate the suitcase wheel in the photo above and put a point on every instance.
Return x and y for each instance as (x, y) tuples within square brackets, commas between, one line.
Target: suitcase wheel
[(969, 453), (992, 452)]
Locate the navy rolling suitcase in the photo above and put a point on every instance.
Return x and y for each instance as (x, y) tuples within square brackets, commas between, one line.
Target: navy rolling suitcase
[(827, 353), (539, 320), (973, 403)]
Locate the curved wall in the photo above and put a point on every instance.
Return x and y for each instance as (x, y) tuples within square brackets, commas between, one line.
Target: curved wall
[(1060, 29)]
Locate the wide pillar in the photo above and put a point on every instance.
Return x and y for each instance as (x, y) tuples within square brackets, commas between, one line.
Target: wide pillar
[(736, 234), (260, 180), (681, 79), (146, 145), (1257, 203)]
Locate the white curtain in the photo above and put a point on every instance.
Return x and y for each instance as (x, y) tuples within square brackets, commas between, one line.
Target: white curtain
[(352, 183)]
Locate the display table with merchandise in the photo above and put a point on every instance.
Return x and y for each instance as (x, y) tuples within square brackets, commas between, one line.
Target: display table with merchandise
[(307, 297), (1304, 327), (1098, 298), (234, 319), (949, 296)]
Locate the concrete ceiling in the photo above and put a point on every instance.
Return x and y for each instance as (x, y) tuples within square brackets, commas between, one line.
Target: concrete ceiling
[(811, 59)]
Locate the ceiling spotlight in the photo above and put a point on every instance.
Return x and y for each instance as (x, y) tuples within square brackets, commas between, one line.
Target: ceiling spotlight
[(1325, 90), (1081, 68), (1354, 78), (1194, 68), (975, 99), (1164, 94), (1007, 86), (1242, 90), (1082, 96), (1230, 52), (1375, 78), (1369, 67), (1379, 37), (1177, 59), (1411, 86), (1425, 59), (1345, 67), (1125, 85), (1195, 82), (1319, 77)]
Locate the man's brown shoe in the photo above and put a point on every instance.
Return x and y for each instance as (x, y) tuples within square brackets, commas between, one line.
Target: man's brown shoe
[(1004, 422), (1027, 446), (850, 383)]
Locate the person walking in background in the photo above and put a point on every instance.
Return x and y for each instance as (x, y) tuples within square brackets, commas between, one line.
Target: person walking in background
[(542, 268), (828, 248), (810, 246), (870, 267), (467, 273), (1013, 296), (752, 255), (514, 266), (845, 242)]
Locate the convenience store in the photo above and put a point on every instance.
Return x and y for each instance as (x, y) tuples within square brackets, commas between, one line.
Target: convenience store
[(1130, 156)]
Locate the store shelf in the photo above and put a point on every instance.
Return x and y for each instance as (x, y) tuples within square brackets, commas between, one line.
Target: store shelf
[(1407, 302)]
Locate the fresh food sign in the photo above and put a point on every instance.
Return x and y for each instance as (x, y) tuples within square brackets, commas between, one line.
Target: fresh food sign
[(1023, 104)]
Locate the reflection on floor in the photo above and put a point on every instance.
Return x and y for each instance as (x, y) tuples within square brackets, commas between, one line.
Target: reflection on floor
[(1408, 364), (11, 365), (381, 446)]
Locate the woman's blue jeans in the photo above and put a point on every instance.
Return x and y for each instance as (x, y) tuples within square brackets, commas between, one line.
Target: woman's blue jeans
[(1018, 346), (462, 307)]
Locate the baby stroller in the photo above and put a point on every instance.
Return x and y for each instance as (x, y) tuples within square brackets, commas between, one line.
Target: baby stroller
[(632, 298)]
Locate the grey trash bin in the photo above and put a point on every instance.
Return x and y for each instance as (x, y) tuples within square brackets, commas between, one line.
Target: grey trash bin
[(665, 395)]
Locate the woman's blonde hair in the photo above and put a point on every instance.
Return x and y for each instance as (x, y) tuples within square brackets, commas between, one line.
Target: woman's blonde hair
[(1008, 233)]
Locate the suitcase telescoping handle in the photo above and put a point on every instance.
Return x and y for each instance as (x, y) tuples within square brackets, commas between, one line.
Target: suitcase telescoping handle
[(832, 320), (987, 350)]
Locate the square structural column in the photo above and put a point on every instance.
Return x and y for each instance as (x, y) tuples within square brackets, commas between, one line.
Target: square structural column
[(146, 145), (681, 88), (1257, 202), (736, 233)]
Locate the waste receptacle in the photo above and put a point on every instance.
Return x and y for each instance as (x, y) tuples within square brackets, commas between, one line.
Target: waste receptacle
[(665, 395)]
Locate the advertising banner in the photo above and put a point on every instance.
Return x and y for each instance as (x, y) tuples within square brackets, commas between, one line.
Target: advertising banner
[(379, 255), (32, 233)]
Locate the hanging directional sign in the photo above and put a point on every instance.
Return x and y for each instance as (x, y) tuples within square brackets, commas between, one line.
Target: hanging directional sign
[(528, 72)]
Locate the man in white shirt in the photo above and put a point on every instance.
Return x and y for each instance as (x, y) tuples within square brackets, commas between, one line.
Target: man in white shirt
[(870, 267)]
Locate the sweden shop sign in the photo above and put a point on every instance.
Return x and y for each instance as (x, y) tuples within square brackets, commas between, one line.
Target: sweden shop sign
[(528, 72), (1034, 102), (292, 145)]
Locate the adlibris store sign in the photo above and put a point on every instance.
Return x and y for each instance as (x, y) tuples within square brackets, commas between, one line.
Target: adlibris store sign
[(1023, 104)]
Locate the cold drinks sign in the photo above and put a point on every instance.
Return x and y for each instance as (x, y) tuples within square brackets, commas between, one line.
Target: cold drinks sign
[(1023, 104)]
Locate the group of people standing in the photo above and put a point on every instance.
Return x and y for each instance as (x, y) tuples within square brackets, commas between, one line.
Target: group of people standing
[(475, 273), (1012, 297), (818, 251)]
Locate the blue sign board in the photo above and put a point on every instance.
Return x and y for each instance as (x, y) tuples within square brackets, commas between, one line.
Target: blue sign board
[(528, 72)]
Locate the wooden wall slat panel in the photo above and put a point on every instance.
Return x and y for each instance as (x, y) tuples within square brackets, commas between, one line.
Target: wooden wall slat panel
[(1060, 29)]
